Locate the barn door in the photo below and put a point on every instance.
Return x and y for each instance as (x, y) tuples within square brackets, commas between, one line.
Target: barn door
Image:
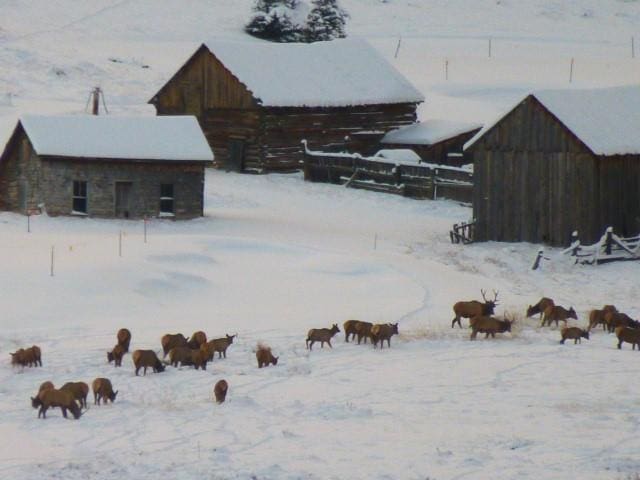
[(235, 163), (123, 199)]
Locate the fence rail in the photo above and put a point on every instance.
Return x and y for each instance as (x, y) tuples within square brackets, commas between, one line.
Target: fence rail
[(609, 248), (420, 180)]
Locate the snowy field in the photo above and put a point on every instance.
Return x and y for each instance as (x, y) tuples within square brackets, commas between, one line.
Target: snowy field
[(275, 256)]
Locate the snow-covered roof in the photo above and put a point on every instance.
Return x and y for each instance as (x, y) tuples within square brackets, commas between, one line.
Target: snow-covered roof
[(91, 136), (429, 132), (606, 120), (322, 74), (404, 155)]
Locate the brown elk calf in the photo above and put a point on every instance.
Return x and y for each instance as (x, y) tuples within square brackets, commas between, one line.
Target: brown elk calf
[(220, 390), (79, 390), (103, 390), (124, 339), (629, 335), (363, 331), (321, 335), (558, 314), (540, 307), (265, 357), (596, 317), (219, 345), (383, 331), (172, 340), (575, 333), (48, 385), (474, 308), (198, 339), (146, 359), (488, 326), (187, 356), (116, 355), (56, 398)]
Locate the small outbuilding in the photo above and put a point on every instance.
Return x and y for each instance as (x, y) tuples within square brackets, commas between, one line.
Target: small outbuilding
[(559, 161), (256, 101), (105, 166), (437, 141)]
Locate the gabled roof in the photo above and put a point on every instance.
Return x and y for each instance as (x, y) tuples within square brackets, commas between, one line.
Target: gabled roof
[(163, 138), (606, 120), (322, 74), (429, 132)]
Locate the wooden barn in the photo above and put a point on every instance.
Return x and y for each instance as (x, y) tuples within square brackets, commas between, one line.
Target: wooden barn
[(435, 141), (559, 161), (256, 101), (105, 166)]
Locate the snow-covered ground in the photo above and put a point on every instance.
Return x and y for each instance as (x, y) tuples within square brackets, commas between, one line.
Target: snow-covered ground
[(275, 256)]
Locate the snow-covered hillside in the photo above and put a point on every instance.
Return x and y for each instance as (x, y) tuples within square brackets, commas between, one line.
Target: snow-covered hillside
[(275, 256)]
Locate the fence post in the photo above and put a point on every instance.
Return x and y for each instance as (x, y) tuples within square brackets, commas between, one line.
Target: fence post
[(52, 253), (536, 263), (575, 241), (609, 241)]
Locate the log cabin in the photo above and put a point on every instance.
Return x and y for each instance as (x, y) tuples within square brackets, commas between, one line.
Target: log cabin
[(105, 166), (256, 101), (559, 161)]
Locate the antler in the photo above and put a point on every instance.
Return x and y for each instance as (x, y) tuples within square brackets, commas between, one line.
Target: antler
[(483, 292), (495, 296)]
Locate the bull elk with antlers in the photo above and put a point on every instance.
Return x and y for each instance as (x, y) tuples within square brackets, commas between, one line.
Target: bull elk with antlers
[(474, 308)]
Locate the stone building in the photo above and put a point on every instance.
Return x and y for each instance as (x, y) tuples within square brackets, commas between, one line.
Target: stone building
[(105, 166)]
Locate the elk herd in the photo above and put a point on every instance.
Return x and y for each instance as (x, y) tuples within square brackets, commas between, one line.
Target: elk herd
[(197, 350)]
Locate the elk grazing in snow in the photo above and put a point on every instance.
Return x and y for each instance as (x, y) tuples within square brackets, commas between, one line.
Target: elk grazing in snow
[(539, 307), (557, 314), (474, 308), (489, 326)]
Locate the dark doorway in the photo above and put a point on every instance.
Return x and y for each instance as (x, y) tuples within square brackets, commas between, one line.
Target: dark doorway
[(235, 163), (123, 199)]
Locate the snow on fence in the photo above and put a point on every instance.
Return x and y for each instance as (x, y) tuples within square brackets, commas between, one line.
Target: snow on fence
[(410, 179), (463, 232), (609, 248)]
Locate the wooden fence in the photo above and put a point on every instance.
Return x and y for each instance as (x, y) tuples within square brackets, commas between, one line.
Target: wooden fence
[(373, 173), (609, 248)]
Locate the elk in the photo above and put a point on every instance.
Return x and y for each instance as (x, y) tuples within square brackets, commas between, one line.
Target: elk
[(27, 357), (146, 359), (575, 333), (363, 330), (596, 317), (629, 335), (618, 319), (79, 390), (220, 390), (382, 332), (489, 326), (48, 385), (350, 329), (124, 339), (539, 307), (474, 308), (219, 345), (321, 335), (558, 314), (198, 339), (265, 357), (56, 398), (170, 341), (116, 355), (103, 390)]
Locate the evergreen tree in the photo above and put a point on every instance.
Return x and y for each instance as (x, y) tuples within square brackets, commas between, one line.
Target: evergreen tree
[(271, 21), (326, 21)]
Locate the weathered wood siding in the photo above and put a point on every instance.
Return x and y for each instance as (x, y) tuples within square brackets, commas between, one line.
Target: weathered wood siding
[(535, 181), (227, 111), (324, 129)]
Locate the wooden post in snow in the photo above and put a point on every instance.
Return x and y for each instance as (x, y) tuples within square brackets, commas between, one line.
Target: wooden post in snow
[(398, 47), (571, 71), (489, 47), (52, 256), (96, 101)]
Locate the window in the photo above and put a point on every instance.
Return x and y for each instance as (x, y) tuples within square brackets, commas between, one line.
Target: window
[(166, 199), (79, 196)]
